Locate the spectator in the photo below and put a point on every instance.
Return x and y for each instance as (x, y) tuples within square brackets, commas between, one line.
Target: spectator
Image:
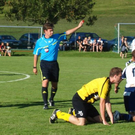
[(85, 43), (95, 45), (133, 44), (97, 89), (99, 44), (0, 48), (123, 48), (126, 47), (121, 43), (61, 45), (90, 46), (79, 43), (8, 49), (3, 49)]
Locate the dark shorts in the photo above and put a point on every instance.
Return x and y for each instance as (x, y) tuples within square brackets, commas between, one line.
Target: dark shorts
[(82, 108), (50, 70), (129, 101)]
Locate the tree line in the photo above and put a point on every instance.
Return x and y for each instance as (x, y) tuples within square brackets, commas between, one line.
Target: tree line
[(41, 11)]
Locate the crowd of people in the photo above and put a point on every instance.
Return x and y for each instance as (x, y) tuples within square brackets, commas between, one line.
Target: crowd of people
[(5, 49), (87, 44), (124, 47)]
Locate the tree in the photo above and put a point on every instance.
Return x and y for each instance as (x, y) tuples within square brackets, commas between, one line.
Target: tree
[(2, 4), (41, 11)]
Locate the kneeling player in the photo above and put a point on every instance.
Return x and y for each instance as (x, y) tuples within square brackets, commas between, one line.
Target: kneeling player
[(84, 98)]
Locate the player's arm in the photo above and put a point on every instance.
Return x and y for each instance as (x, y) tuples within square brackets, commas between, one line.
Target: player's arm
[(35, 64), (68, 32), (127, 63), (102, 110), (109, 109)]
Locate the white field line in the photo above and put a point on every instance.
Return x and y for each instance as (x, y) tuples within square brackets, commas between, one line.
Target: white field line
[(26, 76)]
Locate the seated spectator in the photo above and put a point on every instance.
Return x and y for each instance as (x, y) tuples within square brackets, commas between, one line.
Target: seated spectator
[(90, 45), (100, 44), (79, 43), (60, 45), (3, 49), (94, 45), (85, 43), (0, 49), (8, 49)]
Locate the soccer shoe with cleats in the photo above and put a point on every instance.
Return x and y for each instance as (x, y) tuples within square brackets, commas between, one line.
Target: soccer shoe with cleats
[(70, 111), (51, 102), (116, 116), (53, 117), (45, 106)]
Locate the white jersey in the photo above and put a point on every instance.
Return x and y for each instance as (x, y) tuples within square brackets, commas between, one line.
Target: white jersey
[(129, 74), (133, 45), (100, 41)]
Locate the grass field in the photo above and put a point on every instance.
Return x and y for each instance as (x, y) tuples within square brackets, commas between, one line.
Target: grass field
[(21, 105)]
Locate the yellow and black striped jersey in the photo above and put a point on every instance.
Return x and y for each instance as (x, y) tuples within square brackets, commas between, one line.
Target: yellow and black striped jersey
[(95, 89)]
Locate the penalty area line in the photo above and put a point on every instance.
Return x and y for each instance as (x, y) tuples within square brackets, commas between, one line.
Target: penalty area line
[(21, 79)]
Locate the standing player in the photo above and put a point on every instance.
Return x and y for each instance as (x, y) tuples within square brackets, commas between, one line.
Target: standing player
[(129, 93), (84, 98), (48, 46)]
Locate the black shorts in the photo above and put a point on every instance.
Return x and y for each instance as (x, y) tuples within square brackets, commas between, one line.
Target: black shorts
[(129, 101), (82, 108), (50, 70)]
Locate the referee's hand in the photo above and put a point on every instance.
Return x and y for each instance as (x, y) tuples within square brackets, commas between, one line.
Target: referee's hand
[(35, 71)]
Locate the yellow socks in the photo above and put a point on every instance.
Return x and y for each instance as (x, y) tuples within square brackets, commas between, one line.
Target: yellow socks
[(63, 115)]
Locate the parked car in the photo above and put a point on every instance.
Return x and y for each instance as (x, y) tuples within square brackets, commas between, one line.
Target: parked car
[(114, 42), (74, 36), (28, 40), (13, 42)]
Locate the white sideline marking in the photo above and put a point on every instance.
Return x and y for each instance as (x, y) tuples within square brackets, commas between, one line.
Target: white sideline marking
[(27, 76)]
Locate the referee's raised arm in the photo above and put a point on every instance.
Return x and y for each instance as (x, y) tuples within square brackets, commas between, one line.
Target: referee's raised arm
[(68, 32)]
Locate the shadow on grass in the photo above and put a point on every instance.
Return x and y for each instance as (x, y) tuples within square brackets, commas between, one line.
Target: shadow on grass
[(62, 103), (58, 104)]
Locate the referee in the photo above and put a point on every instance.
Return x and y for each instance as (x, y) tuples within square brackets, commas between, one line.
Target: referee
[(48, 46)]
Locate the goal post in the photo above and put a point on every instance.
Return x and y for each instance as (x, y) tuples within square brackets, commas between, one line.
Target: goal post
[(18, 31), (125, 29)]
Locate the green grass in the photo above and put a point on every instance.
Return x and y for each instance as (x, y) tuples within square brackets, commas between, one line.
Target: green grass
[(108, 13), (21, 105)]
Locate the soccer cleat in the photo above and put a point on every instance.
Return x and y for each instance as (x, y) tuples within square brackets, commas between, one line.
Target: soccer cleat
[(116, 115), (53, 117), (45, 106), (51, 102), (70, 111)]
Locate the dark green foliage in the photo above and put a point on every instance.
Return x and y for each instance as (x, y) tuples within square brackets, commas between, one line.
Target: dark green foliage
[(41, 11), (2, 3)]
